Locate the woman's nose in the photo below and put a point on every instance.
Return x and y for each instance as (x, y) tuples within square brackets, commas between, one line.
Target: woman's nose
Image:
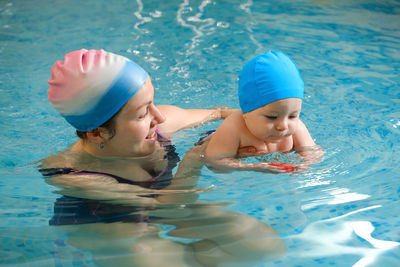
[(158, 117)]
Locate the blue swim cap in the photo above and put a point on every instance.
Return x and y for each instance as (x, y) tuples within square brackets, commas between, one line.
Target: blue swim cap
[(266, 78), (90, 86)]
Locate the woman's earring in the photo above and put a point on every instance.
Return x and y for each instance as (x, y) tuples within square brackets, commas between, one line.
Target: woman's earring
[(101, 145)]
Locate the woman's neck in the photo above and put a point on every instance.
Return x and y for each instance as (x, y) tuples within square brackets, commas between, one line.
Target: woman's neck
[(120, 166), (88, 147), (94, 150)]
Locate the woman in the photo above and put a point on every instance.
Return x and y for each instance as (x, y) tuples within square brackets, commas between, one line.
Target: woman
[(109, 100), (120, 170)]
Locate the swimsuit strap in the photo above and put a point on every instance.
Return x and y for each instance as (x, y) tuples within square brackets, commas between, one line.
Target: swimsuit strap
[(58, 171), (158, 181)]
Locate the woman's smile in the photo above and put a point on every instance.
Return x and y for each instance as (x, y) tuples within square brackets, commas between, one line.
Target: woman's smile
[(152, 137)]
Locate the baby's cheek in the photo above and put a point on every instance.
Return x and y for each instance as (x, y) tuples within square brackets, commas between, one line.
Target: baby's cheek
[(296, 123), (293, 127)]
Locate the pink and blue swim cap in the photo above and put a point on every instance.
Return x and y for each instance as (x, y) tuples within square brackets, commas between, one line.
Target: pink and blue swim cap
[(90, 86), (266, 78)]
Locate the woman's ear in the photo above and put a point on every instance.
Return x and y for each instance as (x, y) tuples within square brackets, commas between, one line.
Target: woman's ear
[(97, 136)]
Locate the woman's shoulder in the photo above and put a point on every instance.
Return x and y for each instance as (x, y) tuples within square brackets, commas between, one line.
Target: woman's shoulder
[(79, 166), (58, 159)]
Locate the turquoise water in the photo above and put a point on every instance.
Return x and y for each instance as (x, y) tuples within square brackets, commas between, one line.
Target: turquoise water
[(344, 211)]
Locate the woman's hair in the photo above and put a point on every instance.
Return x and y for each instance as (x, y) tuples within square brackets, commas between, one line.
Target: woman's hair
[(108, 125)]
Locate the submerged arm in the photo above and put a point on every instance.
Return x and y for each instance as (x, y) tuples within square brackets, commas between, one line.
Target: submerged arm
[(181, 189), (106, 188), (232, 164)]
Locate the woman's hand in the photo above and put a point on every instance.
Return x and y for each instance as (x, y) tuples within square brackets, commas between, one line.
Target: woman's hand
[(224, 112)]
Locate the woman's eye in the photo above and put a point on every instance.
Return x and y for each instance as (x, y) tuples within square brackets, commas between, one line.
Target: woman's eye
[(144, 114)]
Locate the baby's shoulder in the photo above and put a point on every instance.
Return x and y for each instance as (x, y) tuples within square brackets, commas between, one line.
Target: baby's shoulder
[(233, 124), (235, 119)]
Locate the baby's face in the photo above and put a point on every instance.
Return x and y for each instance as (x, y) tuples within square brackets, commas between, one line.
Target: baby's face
[(274, 121)]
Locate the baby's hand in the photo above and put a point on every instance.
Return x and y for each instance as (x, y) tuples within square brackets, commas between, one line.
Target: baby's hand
[(267, 167), (285, 167)]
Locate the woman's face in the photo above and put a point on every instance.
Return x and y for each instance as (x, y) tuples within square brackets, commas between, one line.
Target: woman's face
[(135, 126)]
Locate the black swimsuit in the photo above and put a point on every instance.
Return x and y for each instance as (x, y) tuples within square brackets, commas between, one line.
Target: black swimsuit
[(73, 210)]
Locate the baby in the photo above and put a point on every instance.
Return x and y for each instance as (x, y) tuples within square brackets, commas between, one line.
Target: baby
[(270, 95)]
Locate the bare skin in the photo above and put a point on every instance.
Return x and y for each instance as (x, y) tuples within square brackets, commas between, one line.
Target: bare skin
[(275, 127), (135, 141), (133, 153)]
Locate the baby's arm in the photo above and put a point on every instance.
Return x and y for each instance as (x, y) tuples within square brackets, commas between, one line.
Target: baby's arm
[(224, 141), (306, 147), (302, 138), (221, 151)]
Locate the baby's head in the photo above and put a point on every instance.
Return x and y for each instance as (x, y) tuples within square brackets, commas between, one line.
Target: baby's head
[(90, 86), (267, 78)]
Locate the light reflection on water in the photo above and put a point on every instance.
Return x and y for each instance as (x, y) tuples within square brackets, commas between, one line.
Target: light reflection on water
[(330, 239)]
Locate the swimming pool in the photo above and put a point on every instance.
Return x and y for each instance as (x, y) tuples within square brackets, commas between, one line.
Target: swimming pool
[(344, 211)]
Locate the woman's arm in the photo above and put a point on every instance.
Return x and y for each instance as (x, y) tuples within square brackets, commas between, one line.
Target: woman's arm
[(101, 187), (232, 164), (179, 118), (181, 190)]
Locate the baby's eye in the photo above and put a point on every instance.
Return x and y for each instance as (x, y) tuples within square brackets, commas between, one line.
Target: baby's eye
[(293, 116), (271, 117)]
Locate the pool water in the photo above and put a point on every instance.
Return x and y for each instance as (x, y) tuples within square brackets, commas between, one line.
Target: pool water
[(343, 211)]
